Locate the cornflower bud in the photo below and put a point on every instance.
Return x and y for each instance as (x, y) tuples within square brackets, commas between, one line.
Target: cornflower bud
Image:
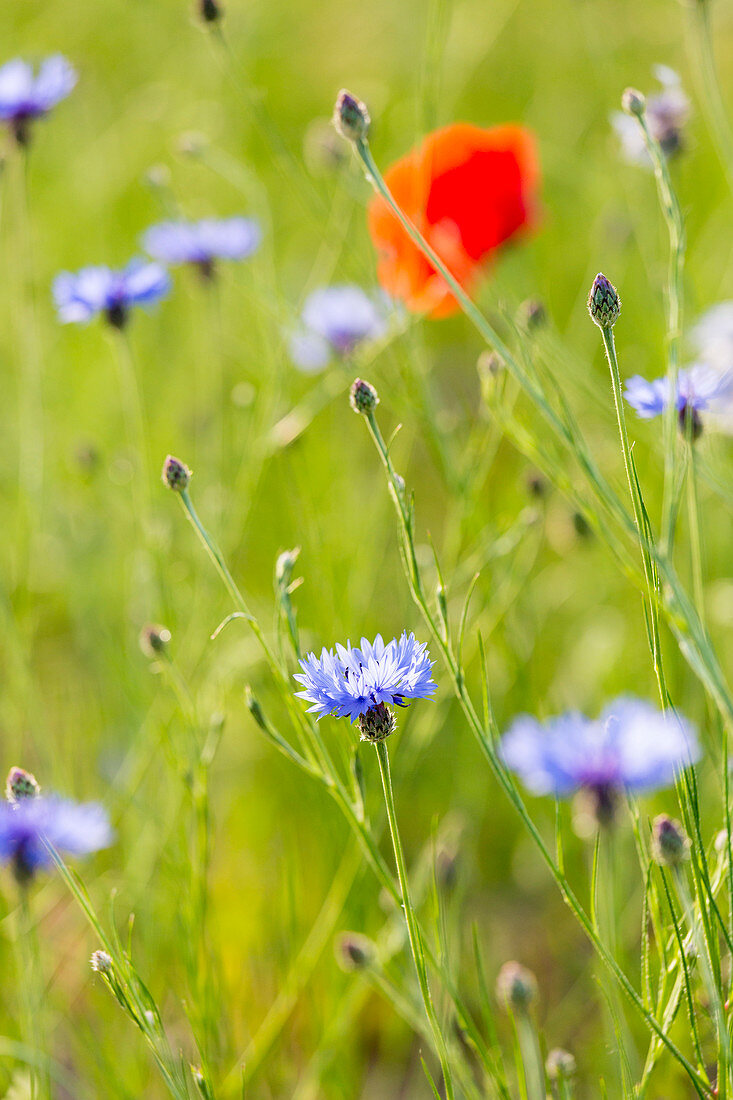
[(604, 304), (363, 397), (670, 843), (21, 784), (285, 565), (354, 951), (154, 640), (560, 1065), (516, 986), (532, 314), (210, 10), (101, 962), (176, 474), (633, 102), (351, 117)]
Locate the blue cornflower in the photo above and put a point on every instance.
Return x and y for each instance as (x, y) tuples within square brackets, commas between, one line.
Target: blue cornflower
[(666, 115), (632, 746), (93, 290), (335, 320), (203, 242), (24, 97), (699, 388), (361, 683), (29, 826)]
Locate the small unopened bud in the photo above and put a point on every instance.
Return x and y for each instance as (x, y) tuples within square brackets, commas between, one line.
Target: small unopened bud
[(363, 397), (354, 951), (254, 708), (516, 986), (633, 102), (154, 639), (201, 1083), (604, 304), (21, 784), (560, 1065), (532, 314), (690, 423), (351, 117), (285, 565), (377, 724), (489, 364), (176, 474), (537, 485), (210, 10), (670, 843), (101, 962)]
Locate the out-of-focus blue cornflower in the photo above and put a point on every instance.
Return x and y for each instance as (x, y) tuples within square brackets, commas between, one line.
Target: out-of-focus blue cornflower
[(203, 242), (666, 114), (699, 389), (93, 290), (25, 96), (632, 746), (335, 320), (712, 336), (29, 826), (353, 681)]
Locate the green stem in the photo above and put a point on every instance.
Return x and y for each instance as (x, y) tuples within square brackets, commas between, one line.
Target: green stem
[(413, 931), (486, 745), (30, 982), (713, 97), (674, 219), (534, 1071), (641, 519)]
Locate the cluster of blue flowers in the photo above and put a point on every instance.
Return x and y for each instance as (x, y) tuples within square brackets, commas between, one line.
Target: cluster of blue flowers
[(352, 680)]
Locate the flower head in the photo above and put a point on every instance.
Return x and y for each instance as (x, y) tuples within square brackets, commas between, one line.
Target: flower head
[(469, 190), (361, 683), (351, 117), (335, 320), (29, 827), (175, 474), (93, 290), (632, 746), (666, 115), (25, 96), (202, 242), (21, 784), (604, 304), (699, 389)]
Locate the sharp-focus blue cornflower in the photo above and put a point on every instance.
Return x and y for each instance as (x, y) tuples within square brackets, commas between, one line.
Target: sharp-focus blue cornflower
[(29, 826), (25, 96), (93, 290), (699, 389), (335, 320), (360, 683), (631, 747), (202, 243)]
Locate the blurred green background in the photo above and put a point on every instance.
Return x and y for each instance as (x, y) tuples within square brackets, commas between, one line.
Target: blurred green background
[(164, 119)]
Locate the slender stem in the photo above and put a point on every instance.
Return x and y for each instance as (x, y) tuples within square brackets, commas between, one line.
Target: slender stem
[(693, 519), (486, 744), (672, 212), (413, 931), (640, 517), (534, 1071), (30, 981), (713, 97)]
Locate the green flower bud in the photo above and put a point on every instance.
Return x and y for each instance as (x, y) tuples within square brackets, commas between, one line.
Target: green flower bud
[(176, 474), (363, 397), (351, 117), (670, 843), (633, 102), (21, 784), (354, 951), (604, 304), (516, 986)]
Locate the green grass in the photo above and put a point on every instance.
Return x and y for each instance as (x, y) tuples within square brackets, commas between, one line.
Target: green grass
[(98, 548)]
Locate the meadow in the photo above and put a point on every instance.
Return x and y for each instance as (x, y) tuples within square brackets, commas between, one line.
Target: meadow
[(473, 905)]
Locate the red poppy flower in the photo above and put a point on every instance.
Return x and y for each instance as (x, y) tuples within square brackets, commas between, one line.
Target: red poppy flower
[(468, 190)]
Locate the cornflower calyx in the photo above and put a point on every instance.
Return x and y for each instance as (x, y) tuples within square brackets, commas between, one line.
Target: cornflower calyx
[(21, 784), (154, 639), (363, 397), (101, 962), (377, 723), (670, 843), (354, 951), (210, 10), (176, 474), (604, 304), (351, 117)]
